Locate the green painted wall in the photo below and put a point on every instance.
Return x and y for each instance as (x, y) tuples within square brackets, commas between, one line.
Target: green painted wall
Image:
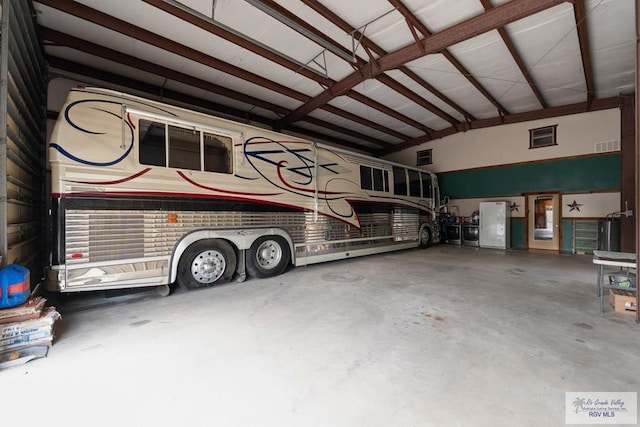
[(589, 173), (566, 245), (518, 233)]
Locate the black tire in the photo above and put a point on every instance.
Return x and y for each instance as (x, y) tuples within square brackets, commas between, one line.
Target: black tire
[(268, 256), (205, 263), (425, 237)]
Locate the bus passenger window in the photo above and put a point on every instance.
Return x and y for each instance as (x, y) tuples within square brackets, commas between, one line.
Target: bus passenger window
[(414, 184), (426, 185), (378, 183), (399, 181), (217, 153), (151, 143), (184, 148), (365, 178)]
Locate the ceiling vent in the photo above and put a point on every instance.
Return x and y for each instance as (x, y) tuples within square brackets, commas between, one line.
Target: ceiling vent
[(605, 146)]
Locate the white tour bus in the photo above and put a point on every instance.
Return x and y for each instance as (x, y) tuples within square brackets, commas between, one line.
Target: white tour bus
[(148, 194)]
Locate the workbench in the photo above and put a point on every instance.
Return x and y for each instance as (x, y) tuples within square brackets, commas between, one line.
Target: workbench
[(612, 261)]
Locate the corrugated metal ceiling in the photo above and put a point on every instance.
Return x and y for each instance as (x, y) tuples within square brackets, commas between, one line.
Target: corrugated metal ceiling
[(377, 75)]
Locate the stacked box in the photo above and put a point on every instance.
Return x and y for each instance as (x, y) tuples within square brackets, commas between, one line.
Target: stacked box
[(26, 332), (623, 301)]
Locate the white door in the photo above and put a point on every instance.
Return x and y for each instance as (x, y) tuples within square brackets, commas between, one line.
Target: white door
[(494, 225), (543, 219)]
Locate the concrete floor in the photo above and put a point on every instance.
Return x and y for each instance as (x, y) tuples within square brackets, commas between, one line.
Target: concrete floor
[(448, 336)]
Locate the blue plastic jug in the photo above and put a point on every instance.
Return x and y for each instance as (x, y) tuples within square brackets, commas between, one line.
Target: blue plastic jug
[(15, 285)]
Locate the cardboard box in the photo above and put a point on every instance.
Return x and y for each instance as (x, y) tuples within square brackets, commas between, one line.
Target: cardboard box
[(623, 301), (32, 309), (29, 332), (22, 355)]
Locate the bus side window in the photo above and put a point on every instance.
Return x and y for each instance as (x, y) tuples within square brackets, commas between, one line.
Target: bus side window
[(217, 153), (378, 183), (365, 178), (184, 148), (414, 184), (426, 185), (399, 181), (152, 143)]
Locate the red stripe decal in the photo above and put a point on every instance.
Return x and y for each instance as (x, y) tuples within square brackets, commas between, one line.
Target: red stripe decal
[(131, 122), (119, 181), (224, 191)]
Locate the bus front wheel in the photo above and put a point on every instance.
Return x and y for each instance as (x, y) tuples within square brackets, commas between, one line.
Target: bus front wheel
[(205, 263), (425, 237), (268, 256)]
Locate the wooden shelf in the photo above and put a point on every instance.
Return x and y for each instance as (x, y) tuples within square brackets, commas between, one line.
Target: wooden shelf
[(585, 236)]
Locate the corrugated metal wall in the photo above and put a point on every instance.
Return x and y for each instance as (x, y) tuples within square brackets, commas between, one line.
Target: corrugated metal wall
[(22, 139)]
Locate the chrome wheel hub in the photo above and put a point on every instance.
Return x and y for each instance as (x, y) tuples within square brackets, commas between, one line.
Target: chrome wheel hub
[(268, 254), (208, 266)]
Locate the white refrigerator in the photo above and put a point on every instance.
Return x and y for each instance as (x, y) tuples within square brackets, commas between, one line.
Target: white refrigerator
[(494, 225)]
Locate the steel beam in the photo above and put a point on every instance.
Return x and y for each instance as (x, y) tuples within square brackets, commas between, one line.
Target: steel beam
[(61, 39), (238, 39), (137, 33), (518, 59), (490, 20), (413, 21), (585, 47), (385, 79), (315, 35), (102, 19)]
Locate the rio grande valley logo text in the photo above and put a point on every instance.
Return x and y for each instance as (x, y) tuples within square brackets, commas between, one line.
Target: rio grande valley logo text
[(599, 408)]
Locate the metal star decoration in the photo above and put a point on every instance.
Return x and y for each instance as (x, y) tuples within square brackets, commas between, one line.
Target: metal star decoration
[(514, 207), (575, 206)]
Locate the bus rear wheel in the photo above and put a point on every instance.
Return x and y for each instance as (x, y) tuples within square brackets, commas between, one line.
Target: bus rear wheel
[(268, 256), (205, 263)]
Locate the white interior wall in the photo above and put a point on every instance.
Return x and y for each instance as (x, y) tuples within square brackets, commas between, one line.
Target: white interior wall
[(591, 205), (576, 135)]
